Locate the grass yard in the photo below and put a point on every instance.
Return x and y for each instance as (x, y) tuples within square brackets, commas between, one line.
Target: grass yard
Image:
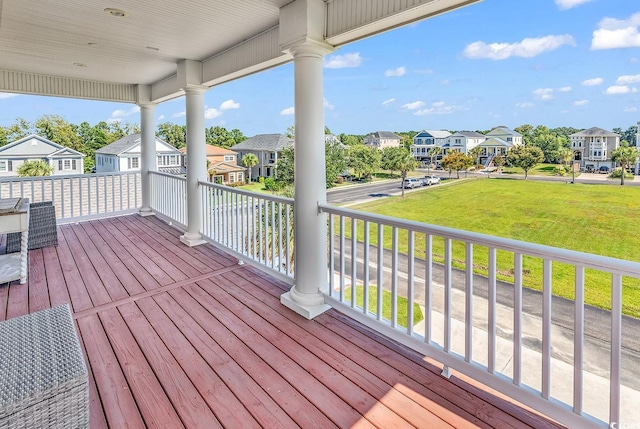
[(401, 317), (538, 170), (597, 219)]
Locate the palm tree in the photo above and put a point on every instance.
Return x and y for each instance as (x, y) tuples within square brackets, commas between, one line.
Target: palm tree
[(35, 168), (433, 153), (249, 161), (625, 156), (475, 154)]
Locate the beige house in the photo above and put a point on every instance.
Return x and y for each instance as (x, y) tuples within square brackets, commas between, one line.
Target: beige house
[(382, 139), (592, 148), (222, 164)]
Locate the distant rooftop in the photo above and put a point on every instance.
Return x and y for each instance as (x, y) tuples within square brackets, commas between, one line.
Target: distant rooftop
[(269, 142)]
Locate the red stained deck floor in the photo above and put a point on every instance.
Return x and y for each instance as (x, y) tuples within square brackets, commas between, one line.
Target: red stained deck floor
[(185, 337)]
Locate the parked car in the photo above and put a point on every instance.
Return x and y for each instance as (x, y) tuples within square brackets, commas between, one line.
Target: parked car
[(603, 170), (411, 183), (430, 180)]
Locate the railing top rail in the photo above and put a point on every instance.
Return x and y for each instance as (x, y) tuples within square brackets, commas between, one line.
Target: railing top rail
[(277, 199), (587, 260), (4, 179), (172, 176)]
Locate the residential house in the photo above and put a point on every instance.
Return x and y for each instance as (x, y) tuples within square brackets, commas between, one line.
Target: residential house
[(33, 147), (592, 148), (222, 164), (124, 155), (498, 141), (266, 147), (463, 141), (425, 140), (382, 139), (506, 134)]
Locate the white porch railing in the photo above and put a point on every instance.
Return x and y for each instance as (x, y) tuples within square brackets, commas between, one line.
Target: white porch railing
[(169, 197), (257, 228), (79, 196), (466, 326)]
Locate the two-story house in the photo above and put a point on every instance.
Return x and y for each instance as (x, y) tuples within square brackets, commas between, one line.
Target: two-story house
[(498, 141), (222, 164), (463, 141), (382, 139), (62, 159), (124, 155), (592, 148), (267, 148), (425, 140)]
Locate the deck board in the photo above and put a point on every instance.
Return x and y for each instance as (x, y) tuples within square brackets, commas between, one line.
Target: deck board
[(185, 337)]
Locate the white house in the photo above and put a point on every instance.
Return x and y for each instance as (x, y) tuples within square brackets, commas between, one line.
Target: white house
[(464, 141), (267, 148), (382, 139), (124, 155), (592, 148), (506, 134), (425, 140), (33, 147)]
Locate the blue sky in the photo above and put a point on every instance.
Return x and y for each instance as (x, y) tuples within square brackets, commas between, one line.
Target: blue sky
[(500, 62)]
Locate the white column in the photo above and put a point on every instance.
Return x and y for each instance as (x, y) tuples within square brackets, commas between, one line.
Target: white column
[(148, 160), (196, 163), (310, 231)]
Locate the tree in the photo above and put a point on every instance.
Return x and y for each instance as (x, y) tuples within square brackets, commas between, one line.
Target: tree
[(475, 154), (58, 130), (433, 154), (525, 157), (21, 128), (221, 137), (625, 156), (335, 161), (175, 135), (387, 162), (364, 161), (402, 161), (249, 161), (498, 161), (456, 161), (35, 168), (527, 133), (565, 155), (285, 169)]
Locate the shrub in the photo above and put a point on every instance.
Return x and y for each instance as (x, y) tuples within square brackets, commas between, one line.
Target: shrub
[(270, 184), (261, 179), (560, 170), (617, 172)]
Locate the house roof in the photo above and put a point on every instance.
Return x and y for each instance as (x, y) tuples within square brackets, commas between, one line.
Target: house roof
[(213, 150), (594, 131), (127, 142), (470, 134), (438, 134), (268, 142), (503, 130), (496, 141), (56, 149), (226, 167), (385, 135)]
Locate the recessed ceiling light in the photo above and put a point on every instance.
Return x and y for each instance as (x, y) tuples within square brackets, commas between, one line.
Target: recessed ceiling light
[(116, 12), (79, 64), (153, 48), (94, 45)]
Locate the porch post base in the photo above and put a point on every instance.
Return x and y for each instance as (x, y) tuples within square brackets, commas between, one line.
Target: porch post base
[(192, 241), (146, 212), (306, 310)]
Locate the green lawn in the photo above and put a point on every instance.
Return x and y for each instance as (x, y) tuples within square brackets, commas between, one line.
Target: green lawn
[(598, 219), (538, 170), (401, 317)]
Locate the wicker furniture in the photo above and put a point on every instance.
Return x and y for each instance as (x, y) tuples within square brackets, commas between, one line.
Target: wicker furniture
[(43, 376), (43, 230), (14, 219)]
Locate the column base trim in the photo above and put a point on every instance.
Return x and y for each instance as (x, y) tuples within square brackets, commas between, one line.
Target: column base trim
[(146, 212), (308, 311), (191, 241)]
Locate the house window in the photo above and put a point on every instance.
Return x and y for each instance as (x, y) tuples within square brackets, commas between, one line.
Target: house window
[(9, 165), (133, 162), (231, 177), (272, 156), (3, 166), (229, 158), (509, 139), (64, 164), (74, 164)]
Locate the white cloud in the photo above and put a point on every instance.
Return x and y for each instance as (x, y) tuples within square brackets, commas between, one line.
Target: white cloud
[(212, 113), (399, 72), (4, 95), (527, 48), (179, 114), (328, 105), (118, 114), (630, 109), (343, 61), (628, 79), (389, 101), (414, 105), (617, 33), (229, 104), (424, 71), (525, 105), (634, 60), (161, 117), (439, 108), (593, 82), (543, 93), (288, 111), (565, 89), (580, 102), (568, 4), (620, 89)]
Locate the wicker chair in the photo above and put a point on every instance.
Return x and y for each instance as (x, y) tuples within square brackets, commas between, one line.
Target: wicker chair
[(43, 230)]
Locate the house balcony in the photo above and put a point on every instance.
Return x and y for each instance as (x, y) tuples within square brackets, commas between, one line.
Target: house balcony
[(197, 336)]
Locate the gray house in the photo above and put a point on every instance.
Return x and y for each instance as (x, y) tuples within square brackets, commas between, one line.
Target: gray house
[(33, 147), (124, 155), (266, 147)]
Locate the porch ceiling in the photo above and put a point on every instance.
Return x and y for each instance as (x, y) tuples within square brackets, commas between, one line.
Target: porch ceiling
[(75, 48)]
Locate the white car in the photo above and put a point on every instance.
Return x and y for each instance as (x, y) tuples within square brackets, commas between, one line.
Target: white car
[(410, 182), (430, 180)]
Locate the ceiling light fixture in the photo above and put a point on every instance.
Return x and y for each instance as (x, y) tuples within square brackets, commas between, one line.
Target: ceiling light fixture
[(153, 48), (119, 13), (79, 64), (94, 45)]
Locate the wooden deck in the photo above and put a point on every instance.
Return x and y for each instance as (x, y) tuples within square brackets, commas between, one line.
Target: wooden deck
[(185, 337)]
